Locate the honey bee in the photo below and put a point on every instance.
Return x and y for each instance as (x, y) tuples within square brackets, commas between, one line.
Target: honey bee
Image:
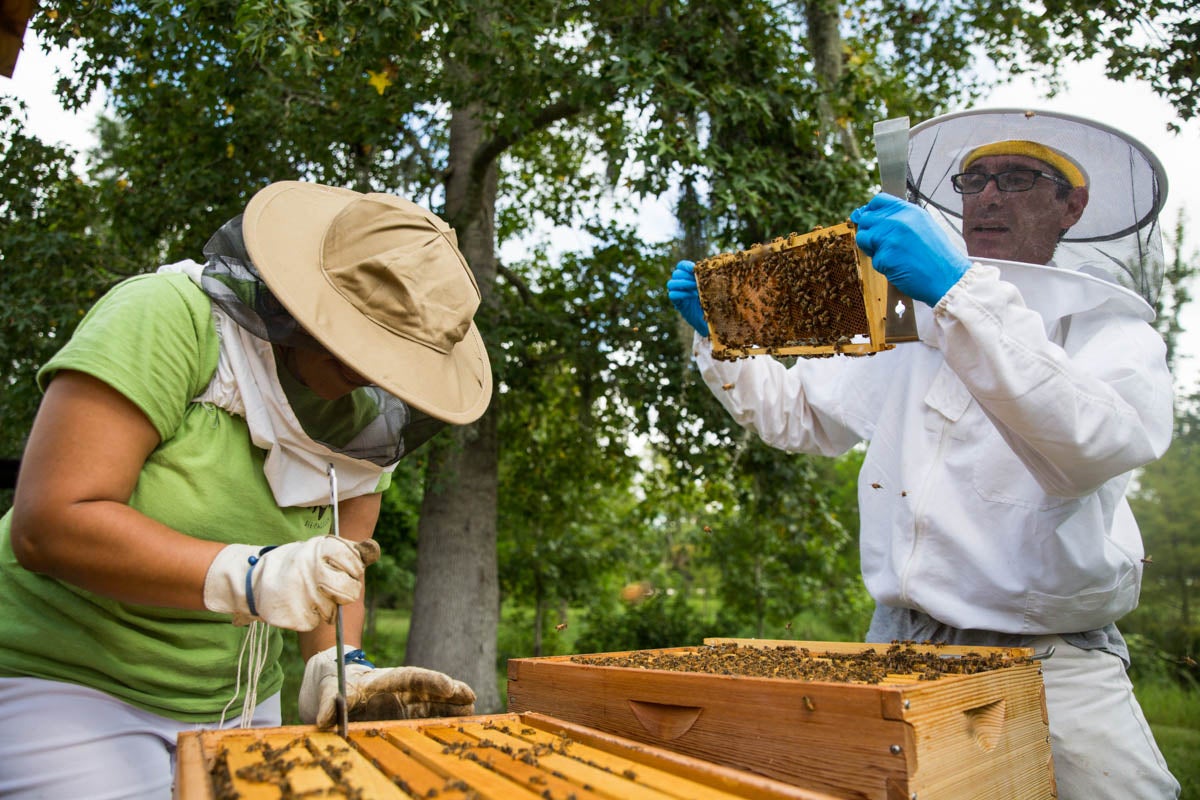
[(562, 626), (1148, 559), (876, 485), (727, 386)]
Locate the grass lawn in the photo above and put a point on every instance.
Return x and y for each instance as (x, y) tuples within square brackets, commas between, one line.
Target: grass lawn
[(1174, 715)]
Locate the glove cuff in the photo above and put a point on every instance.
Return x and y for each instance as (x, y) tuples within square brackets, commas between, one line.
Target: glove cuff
[(357, 657), (229, 586)]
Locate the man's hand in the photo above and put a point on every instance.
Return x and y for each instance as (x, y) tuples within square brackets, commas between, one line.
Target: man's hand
[(374, 694), (295, 586), (908, 248), (681, 288)]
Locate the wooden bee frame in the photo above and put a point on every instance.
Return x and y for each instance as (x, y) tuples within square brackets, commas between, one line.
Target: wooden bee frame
[(981, 736), (497, 757), (811, 295)]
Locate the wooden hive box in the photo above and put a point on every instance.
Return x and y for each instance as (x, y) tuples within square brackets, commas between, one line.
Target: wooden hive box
[(959, 737), (813, 295), (497, 757)]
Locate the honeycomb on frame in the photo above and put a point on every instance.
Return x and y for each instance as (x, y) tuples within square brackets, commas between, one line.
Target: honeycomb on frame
[(812, 295)]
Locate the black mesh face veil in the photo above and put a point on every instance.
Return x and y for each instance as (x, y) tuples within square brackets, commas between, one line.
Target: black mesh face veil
[(231, 281), (1118, 235)]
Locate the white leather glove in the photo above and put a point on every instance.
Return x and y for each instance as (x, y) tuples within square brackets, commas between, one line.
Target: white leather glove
[(373, 694), (295, 586)]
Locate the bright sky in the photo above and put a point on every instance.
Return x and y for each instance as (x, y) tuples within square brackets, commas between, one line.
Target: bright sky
[(1129, 106)]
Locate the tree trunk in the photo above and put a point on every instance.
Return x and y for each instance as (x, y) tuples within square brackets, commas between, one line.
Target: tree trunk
[(760, 606), (825, 44), (456, 603), (539, 616)]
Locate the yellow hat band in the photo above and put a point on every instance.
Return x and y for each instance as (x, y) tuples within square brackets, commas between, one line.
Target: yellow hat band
[(1018, 147)]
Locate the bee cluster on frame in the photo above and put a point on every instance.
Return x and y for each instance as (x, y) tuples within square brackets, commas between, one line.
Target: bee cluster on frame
[(803, 294)]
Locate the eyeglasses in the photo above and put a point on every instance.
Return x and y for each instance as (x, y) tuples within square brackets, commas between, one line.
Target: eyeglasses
[(1013, 180)]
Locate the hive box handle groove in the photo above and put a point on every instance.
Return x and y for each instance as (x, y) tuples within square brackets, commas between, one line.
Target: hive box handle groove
[(985, 724), (664, 721)]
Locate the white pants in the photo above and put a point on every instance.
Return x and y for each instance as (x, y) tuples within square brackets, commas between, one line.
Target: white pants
[(1102, 745), (61, 740)]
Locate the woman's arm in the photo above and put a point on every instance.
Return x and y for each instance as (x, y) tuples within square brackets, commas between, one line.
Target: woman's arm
[(71, 518)]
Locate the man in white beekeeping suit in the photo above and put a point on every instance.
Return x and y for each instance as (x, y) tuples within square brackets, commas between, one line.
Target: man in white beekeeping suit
[(1001, 445)]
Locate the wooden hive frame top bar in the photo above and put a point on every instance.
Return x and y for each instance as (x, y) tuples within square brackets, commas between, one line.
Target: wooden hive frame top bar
[(504, 757)]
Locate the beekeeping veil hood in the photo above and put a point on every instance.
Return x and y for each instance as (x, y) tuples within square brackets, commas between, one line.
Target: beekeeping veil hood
[(1117, 237)]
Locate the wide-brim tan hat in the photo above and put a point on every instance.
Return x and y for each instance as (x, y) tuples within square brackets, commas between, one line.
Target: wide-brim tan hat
[(380, 283)]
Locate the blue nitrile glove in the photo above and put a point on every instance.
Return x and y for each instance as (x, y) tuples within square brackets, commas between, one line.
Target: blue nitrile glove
[(907, 246), (681, 288)]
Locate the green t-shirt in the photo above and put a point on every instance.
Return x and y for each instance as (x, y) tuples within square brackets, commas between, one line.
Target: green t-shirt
[(152, 338)]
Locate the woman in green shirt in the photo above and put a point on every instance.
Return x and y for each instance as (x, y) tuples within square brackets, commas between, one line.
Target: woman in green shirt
[(177, 479)]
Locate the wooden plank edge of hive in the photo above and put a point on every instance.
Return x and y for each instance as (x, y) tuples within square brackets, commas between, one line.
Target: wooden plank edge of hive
[(212, 738), (723, 353), (875, 293), (515, 664), (714, 338), (1017, 681), (747, 784), (192, 769), (895, 699), (540, 667), (892, 695)]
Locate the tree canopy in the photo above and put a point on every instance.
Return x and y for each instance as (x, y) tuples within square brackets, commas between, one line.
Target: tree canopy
[(506, 119)]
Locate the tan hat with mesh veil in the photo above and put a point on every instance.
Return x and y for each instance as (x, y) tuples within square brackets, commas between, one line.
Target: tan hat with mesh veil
[(380, 283)]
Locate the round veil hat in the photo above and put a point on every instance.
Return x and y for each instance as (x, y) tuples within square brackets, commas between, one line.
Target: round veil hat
[(1118, 233), (380, 283)]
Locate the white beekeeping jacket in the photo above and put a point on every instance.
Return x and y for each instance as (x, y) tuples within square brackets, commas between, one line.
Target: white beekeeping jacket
[(1000, 445)]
